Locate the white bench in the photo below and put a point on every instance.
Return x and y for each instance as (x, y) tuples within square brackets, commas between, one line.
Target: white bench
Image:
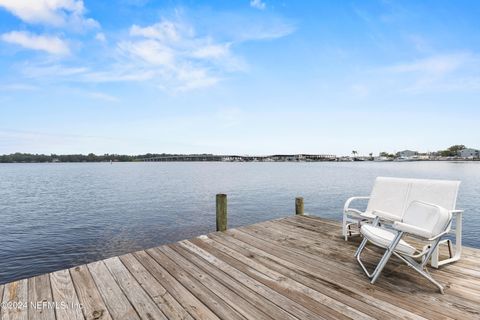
[(392, 196)]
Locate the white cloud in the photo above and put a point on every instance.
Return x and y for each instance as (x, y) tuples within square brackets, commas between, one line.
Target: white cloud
[(149, 51), (258, 4), (435, 65), (100, 37), (179, 60), (118, 73), (214, 51), (189, 78), (103, 96), (164, 30), (50, 12), (171, 54), (437, 73), (267, 29), (50, 44), (56, 71)]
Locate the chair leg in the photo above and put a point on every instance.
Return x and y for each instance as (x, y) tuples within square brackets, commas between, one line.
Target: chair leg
[(359, 260), (386, 257), (433, 249), (344, 226), (419, 268), (429, 277), (361, 246), (348, 232), (376, 221), (449, 243)]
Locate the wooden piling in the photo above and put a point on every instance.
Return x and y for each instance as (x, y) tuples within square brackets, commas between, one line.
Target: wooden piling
[(299, 206), (221, 212)]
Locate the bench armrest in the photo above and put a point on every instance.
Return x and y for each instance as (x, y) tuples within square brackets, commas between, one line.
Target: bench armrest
[(349, 201), (386, 215), (408, 228)]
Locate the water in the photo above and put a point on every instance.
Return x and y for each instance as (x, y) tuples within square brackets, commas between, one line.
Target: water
[(54, 216)]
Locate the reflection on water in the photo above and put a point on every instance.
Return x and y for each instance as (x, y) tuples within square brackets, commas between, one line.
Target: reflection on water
[(55, 216)]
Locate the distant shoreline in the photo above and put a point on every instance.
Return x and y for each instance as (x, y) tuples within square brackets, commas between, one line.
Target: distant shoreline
[(280, 161), (205, 157)]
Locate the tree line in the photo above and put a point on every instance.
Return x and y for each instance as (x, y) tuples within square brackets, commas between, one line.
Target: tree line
[(91, 157), (29, 157), (449, 152)]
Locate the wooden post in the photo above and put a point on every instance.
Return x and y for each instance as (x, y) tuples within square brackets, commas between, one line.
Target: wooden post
[(221, 212), (299, 206)]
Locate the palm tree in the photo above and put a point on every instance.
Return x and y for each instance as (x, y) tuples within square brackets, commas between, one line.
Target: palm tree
[(354, 153)]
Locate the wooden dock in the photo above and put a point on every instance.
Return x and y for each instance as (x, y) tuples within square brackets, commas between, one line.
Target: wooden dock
[(292, 268)]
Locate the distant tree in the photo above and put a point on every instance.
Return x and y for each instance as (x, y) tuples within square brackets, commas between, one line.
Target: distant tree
[(91, 157), (452, 151), (386, 155), (456, 148)]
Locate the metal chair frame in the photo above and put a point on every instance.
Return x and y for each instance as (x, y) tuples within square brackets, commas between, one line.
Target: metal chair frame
[(425, 254)]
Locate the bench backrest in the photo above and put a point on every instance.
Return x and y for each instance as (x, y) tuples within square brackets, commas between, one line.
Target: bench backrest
[(394, 195)]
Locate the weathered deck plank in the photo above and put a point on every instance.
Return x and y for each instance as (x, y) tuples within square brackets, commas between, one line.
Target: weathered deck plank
[(15, 301), (330, 275), (40, 298), (141, 301), (116, 301), (235, 284), (306, 276), (291, 268), (193, 305), (1, 297), (93, 306), (288, 305), (64, 291), (245, 308), (212, 301), (164, 300), (311, 299)]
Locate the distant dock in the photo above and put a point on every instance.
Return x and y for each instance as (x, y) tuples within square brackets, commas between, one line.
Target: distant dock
[(236, 158), (292, 268)]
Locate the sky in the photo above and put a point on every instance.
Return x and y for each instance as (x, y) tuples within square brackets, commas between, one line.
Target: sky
[(240, 77)]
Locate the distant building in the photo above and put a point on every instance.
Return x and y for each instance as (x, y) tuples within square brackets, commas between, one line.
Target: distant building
[(407, 153), (469, 153)]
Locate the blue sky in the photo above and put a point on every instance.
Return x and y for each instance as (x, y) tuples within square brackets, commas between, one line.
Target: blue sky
[(242, 77)]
